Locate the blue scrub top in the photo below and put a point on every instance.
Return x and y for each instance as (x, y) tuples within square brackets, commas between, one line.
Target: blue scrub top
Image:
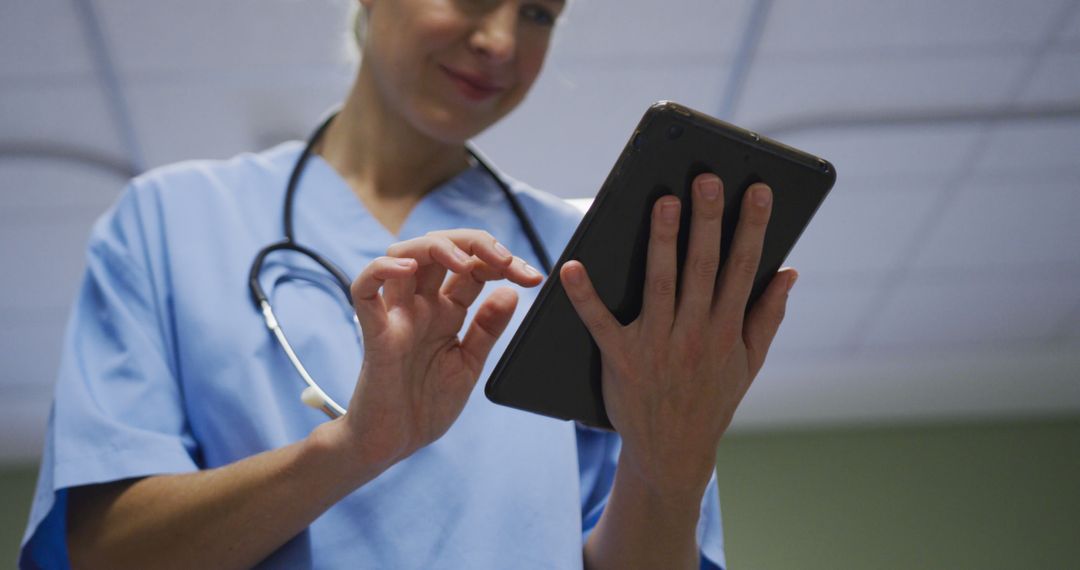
[(168, 368)]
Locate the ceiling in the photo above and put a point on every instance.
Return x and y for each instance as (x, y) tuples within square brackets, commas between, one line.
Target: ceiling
[(940, 280)]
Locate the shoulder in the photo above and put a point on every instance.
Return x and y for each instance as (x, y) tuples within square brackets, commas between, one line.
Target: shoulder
[(236, 177), (193, 197), (202, 187)]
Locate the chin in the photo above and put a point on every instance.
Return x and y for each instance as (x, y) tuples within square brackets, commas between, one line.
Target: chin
[(454, 126)]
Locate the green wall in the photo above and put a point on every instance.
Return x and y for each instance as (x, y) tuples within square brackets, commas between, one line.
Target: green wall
[(987, 496), (16, 491), (955, 497)]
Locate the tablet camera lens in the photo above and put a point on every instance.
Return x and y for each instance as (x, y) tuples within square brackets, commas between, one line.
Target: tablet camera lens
[(639, 141), (824, 166), (674, 132)]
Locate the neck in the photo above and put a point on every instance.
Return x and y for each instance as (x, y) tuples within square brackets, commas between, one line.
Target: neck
[(388, 163)]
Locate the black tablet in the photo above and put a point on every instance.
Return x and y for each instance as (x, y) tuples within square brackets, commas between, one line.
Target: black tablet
[(552, 365)]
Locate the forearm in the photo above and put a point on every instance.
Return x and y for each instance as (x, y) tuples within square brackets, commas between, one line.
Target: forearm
[(643, 529), (229, 517)]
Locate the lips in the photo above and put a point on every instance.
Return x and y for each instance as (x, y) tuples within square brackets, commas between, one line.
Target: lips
[(474, 86)]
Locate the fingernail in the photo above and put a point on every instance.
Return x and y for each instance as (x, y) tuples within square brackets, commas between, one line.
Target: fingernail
[(404, 262), (501, 250), (791, 282), (762, 196), (669, 211), (461, 255), (710, 188), (531, 271)]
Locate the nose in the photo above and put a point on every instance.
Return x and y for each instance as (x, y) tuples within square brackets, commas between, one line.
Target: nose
[(495, 36)]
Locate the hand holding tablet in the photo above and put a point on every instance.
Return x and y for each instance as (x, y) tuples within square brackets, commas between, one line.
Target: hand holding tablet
[(673, 378), (668, 295)]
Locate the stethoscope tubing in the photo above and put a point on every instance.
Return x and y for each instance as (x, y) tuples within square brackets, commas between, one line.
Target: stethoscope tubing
[(313, 395)]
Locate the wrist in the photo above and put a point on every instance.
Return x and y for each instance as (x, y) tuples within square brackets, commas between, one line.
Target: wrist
[(334, 446), (680, 494)]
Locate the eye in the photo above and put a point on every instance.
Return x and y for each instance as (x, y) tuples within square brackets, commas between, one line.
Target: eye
[(538, 14)]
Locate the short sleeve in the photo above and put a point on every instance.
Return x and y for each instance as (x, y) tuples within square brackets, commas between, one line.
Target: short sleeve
[(598, 455), (117, 411)]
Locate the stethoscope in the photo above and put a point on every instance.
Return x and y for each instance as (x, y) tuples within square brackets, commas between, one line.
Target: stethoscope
[(313, 395)]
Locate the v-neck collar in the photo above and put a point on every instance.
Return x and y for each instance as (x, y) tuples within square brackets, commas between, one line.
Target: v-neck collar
[(458, 202)]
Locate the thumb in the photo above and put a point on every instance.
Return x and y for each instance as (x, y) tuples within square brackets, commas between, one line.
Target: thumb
[(765, 317), (490, 321)]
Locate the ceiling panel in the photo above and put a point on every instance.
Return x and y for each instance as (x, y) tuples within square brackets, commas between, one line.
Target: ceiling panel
[(1032, 226), (839, 27), (780, 89), (1041, 148), (206, 35), (40, 40), (567, 135), (919, 153), (929, 310), (74, 115), (822, 314), (863, 231), (182, 120), (1056, 79), (637, 31)]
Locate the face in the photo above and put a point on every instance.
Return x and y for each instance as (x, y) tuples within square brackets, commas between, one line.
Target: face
[(454, 67)]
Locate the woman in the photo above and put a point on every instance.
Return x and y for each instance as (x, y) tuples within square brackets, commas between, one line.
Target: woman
[(176, 438)]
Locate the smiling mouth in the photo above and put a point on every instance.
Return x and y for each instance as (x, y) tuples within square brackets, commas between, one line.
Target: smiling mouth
[(474, 88)]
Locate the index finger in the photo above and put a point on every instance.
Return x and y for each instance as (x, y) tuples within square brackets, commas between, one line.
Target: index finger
[(494, 255), (479, 243)]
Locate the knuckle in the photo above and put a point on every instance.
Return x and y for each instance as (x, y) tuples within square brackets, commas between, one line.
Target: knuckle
[(757, 218), (665, 235), (356, 288), (778, 315), (706, 211), (597, 324), (744, 263), (444, 246), (578, 296), (664, 285), (373, 267), (706, 266)]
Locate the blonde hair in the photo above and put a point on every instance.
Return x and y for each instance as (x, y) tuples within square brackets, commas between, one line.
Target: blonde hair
[(359, 25)]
